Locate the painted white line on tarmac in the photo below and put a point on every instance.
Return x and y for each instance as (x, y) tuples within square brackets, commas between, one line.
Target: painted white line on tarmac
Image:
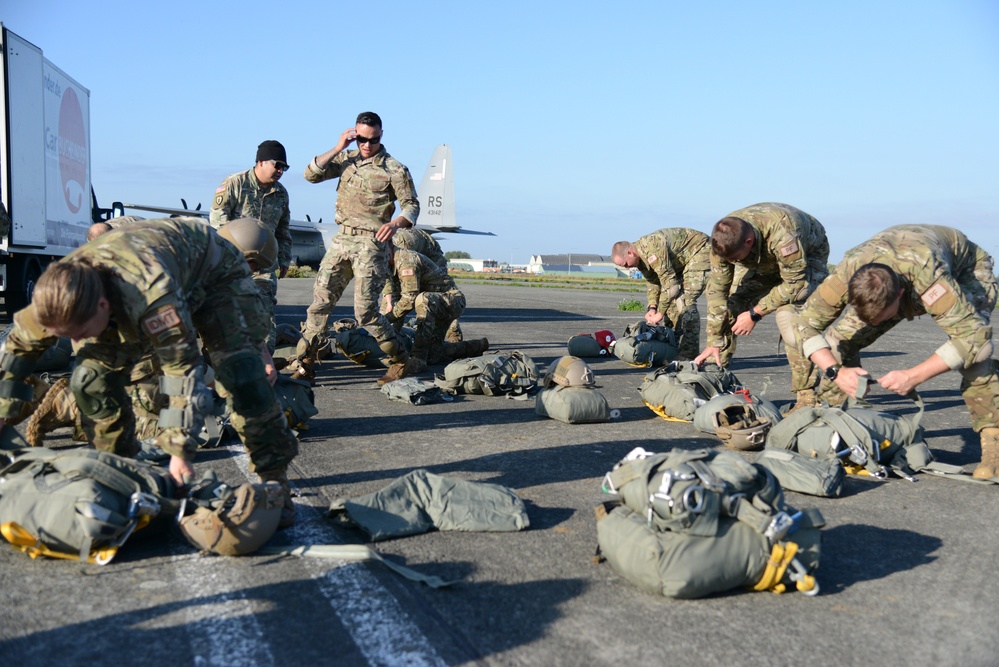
[(380, 627)]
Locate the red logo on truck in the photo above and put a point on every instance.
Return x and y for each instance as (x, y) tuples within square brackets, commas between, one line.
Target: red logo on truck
[(72, 151)]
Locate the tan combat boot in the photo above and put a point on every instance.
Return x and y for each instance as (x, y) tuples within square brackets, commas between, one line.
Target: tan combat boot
[(989, 467), (401, 369), (57, 409), (806, 399), (281, 477), (304, 368)]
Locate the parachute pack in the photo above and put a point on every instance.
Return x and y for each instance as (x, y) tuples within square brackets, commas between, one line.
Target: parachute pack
[(597, 344), (362, 348), (676, 391), (569, 394), (513, 374), (645, 345), (687, 524)]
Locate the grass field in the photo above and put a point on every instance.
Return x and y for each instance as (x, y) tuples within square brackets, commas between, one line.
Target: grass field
[(557, 282)]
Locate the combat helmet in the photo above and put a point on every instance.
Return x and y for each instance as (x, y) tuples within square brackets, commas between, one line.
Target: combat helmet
[(741, 428), (569, 371), (254, 239), (234, 521)]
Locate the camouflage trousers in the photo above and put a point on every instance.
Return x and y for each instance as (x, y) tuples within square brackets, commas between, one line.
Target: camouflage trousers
[(364, 260), (979, 382), (749, 291), (435, 311), (687, 321), (267, 285)]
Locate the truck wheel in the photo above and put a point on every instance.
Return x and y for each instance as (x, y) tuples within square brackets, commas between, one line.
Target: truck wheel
[(23, 276)]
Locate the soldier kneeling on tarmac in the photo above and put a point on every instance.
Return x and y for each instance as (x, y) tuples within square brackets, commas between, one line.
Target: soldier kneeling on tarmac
[(418, 284), (159, 283)]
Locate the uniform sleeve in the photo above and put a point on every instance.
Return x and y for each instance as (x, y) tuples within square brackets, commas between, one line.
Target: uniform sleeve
[(283, 236), (315, 174), (969, 336), (405, 194), (18, 354), (409, 289), (222, 205), (792, 263), (719, 285)]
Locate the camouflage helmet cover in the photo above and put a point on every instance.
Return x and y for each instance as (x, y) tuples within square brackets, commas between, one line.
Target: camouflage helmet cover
[(254, 240), (569, 371)]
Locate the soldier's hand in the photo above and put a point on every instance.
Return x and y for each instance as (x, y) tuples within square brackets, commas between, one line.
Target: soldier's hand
[(709, 353), (846, 379), (653, 317), (743, 324), (900, 382), (182, 471), (345, 139)]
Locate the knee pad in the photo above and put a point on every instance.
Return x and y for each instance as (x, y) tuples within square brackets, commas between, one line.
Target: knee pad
[(784, 317), (243, 376), (97, 394)]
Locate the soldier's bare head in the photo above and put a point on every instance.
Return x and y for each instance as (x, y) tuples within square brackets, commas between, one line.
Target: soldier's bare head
[(623, 254), (70, 300), (97, 229), (874, 292), (732, 238)]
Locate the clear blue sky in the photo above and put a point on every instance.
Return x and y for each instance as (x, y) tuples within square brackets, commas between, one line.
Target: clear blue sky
[(573, 125)]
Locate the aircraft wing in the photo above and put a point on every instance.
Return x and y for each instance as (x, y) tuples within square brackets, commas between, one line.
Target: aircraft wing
[(168, 210), (452, 230)]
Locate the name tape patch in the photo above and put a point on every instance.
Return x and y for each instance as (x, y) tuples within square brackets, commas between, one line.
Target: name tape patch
[(160, 321), (933, 294), (789, 249)]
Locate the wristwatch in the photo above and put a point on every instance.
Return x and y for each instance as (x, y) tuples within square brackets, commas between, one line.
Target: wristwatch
[(832, 371), (755, 316), (652, 307)]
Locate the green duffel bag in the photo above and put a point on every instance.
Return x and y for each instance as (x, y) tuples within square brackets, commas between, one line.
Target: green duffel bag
[(572, 405), (80, 504), (413, 391), (645, 346), (297, 400), (678, 565), (804, 474), (585, 345), (513, 374), (676, 391), (704, 415)]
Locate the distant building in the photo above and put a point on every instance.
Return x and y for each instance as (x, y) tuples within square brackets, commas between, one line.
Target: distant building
[(574, 263), (478, 265)]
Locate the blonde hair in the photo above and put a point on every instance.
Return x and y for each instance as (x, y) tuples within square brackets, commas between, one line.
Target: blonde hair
[(67, 293), (619, 249)]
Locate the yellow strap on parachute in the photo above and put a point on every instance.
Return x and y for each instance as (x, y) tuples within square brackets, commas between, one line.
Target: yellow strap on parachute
[(19, 537), (781, 556), (659, 410)]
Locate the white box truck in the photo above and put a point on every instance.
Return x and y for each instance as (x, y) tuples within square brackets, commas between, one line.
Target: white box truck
[(44, 167)]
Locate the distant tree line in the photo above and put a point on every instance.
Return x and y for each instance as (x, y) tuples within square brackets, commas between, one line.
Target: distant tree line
[(457, 254)]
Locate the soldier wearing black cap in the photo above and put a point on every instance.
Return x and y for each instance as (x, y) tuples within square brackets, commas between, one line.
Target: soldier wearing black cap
[(256, 193)]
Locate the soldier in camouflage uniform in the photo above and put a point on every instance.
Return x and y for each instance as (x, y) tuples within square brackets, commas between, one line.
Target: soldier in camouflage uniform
[(160, 282), (418, 240), (427, 289), (99, 228), (901, 273), (256, 193), (370, 183), (675, 263), (784, 252)]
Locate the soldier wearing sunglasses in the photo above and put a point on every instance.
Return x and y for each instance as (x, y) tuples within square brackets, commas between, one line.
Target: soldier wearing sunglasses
[(256, 193), (370, 182)]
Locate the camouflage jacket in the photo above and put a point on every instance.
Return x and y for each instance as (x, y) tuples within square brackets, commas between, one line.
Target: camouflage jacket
[(413, 273), (240, 196), (419, 241), (788, 240), (157, 273), (932, 263), (368, 188), (663, 256)]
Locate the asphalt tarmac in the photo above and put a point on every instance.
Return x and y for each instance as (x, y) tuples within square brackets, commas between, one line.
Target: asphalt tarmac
[(907, 575)]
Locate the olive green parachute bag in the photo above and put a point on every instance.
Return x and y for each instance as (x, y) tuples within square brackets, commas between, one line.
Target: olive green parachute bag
[(687, 524), (362, 348), (676, 391), (572, 405), (512, 374), (645, 345), (79, 504)]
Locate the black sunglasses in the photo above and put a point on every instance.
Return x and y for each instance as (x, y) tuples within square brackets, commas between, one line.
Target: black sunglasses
[(280, 166), (368, 140)]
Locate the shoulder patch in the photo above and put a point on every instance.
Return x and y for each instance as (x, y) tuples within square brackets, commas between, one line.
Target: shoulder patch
[(790, 249), (939, 298), (219, 200), (220, 190), (156, 325), (832, 290), (406, 272), (653, 259)]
